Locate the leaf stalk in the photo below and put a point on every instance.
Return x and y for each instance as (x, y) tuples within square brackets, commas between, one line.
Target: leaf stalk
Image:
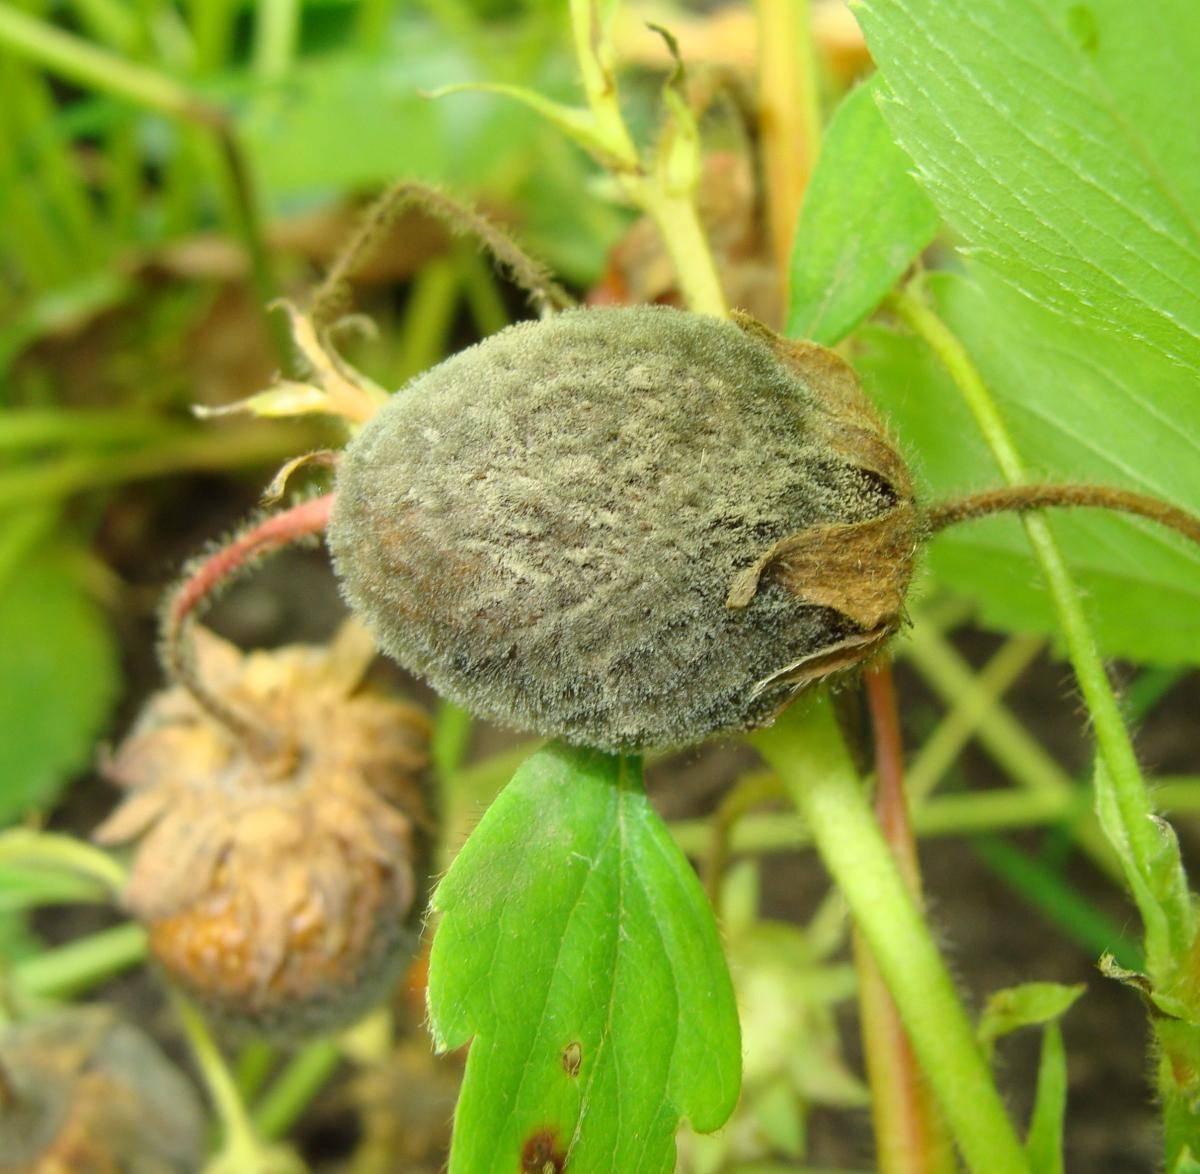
[(805, 746)]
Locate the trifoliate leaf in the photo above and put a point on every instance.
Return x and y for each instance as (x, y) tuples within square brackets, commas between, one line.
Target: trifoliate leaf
[(578, 953), (863, 223)]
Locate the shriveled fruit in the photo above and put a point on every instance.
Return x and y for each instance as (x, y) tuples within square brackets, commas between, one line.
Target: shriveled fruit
[(281, 890), (627, 527), (85, 1093)]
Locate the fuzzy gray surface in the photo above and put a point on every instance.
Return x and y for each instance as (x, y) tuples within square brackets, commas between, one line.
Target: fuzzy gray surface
[(546, 525)]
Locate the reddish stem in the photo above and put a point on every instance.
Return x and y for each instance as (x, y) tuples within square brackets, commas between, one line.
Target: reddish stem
[(1036, 497), (291, 525), (909, 1135), (891, 803)]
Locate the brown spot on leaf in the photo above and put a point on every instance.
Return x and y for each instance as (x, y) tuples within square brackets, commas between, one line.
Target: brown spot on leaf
[(542, 1153), (572, 1057)]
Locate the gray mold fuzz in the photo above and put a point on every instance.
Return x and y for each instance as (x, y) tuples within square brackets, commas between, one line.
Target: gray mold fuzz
[(546, 525)]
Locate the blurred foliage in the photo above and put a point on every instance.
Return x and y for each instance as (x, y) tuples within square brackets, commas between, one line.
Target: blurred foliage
[(131, 290)]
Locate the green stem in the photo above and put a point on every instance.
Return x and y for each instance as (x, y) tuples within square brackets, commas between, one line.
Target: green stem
[(941, 750), (79, 427), (82, 964), (428, 316), (207, 449), (241, 1148), (593, 52), (678, 223), (481, 291), (1006, 740), (1147, 852), (52, 850), (944, 815), (806, 748), (254, 1064), (275, 37), (296, 1086), (95, 68), (672, 208)]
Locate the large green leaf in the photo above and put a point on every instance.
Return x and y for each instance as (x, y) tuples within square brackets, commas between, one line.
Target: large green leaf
[(58, 679), (1079, 410), (1048, 134), (1058, 137), (578, 949), (863, 223)]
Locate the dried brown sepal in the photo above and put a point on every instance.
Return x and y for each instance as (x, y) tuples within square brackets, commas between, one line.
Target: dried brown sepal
[(277, 892), (86, 1092), (862, 569)]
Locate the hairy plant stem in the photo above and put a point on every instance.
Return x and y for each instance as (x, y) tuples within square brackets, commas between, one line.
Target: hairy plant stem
[(805, 746), (1147, 852), (1035, 497), (910, 1137), (197, 590), (332, 296)]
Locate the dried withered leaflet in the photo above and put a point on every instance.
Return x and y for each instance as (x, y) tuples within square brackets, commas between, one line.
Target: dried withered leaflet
[(627, 527), (279, 891), (82, 1092)]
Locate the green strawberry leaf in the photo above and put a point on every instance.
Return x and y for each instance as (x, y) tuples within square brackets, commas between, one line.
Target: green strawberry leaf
[(1082, 406), (863, 223), (1047, 134), (58, 681), (577, 950)]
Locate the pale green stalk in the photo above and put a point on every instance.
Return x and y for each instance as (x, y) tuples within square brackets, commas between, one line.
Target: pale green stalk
[(1006, 740), (291, 1093), (240, 1143), (276, 32), (666, 193), (1147, 850), (805, 747), (215, 448), (52, 850), (964, 814), (68, 970), (941, 750)]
